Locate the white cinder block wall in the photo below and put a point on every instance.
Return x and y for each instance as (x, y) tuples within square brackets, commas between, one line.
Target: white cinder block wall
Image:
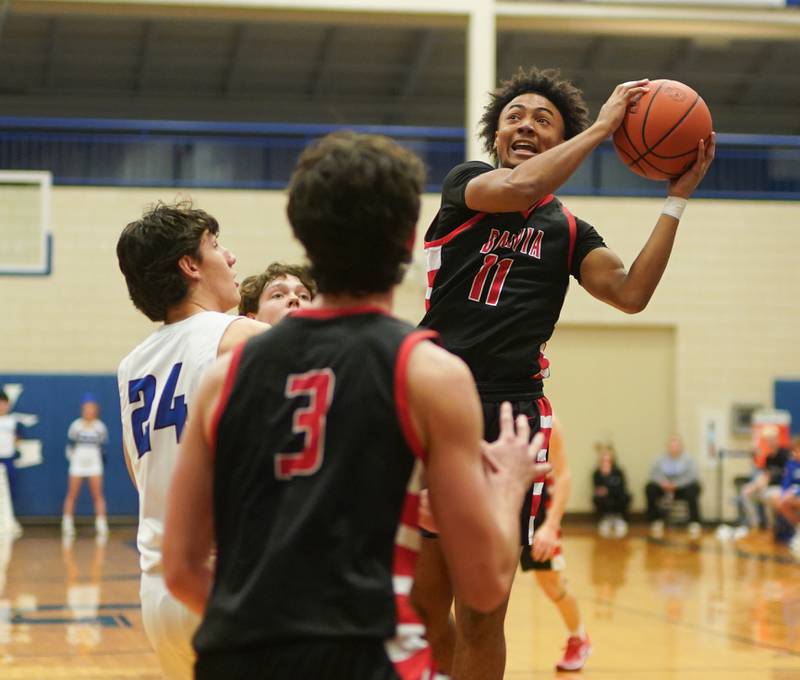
[(731, 292)]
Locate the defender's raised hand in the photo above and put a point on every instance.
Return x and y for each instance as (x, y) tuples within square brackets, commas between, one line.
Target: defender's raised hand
[(513, 453)]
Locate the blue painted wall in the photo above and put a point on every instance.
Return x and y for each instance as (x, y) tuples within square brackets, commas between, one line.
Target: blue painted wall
[(787, 397), (55, 399)]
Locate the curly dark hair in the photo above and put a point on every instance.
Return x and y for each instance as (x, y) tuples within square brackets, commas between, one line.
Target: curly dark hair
[(567, 98), (254, 285), (354, 203), (148, 251)]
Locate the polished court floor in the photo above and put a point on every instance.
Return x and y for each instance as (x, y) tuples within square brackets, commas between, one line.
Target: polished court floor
[(654, 610)]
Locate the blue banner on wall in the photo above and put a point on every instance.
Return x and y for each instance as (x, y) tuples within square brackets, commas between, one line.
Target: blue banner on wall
[(56, 400)]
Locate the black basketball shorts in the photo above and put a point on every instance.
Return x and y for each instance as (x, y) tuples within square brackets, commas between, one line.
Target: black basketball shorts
[(540, 417), (313, 659), (556, 562)]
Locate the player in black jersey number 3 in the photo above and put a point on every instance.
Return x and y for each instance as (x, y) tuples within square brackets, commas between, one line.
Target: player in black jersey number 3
[(303, 454), (500, 253)]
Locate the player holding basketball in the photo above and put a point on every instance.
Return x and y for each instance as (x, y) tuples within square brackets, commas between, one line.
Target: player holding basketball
[(500, 253), (310, 440), (176, 272)]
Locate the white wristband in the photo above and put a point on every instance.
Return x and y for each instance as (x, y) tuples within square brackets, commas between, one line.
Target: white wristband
[(674, 206)]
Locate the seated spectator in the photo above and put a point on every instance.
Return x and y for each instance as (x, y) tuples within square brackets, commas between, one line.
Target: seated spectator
[(765, 485), (272, 294), (611, 497), (673, 475), (788, 502)]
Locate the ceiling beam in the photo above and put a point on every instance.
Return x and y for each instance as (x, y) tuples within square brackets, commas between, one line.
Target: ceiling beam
[(594, 47), (48, 71), (765, 61), (423, 7), (418, 13), (141, 70), (321, 57), (5, 7), (238, 39), (423, 49), (682, 55), (554, 17), (507, 45)]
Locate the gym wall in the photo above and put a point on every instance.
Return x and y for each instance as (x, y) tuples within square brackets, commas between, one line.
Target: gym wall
[(724, 306)]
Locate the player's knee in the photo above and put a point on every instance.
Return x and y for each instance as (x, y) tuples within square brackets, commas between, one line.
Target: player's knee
[(431, 606), (475, 627)]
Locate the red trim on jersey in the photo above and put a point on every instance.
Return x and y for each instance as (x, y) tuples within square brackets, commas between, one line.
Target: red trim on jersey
[(335, 312), (538, 204), (459, 229), (411, 656), (431, 278), (227, 387), (418, 667), (545, 409), (573, 234), (479, 216), (409, 513), (405, 610), (405, 559), (401, 389)]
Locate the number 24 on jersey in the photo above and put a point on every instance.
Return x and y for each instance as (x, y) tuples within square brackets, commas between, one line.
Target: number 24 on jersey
[(171, 410)]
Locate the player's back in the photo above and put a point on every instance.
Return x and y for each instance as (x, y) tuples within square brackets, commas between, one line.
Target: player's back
[(315, 487), (156, 383)]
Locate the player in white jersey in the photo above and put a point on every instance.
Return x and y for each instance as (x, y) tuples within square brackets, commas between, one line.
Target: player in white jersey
[(86, 438), (178, 273), (9, 434)]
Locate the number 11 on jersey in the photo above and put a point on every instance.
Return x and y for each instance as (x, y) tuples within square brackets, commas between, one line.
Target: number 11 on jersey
[(309, 421), (499, 278)]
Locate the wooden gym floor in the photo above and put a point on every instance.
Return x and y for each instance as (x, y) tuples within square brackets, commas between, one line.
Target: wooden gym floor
[(654, 610)]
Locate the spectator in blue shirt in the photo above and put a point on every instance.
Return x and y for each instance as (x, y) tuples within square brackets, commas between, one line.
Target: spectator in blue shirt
[(673, 475), (788, 503)]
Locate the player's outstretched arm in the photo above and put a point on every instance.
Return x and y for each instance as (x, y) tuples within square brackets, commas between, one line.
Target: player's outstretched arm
[(604, 275), (507, 190), (476, 493), (189, 524)]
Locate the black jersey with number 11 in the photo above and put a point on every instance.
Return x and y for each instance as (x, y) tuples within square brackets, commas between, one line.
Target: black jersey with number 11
[(497, 282)]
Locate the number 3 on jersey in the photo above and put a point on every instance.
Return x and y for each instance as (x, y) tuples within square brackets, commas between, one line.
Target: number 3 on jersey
[(308, 421), (171, 411)]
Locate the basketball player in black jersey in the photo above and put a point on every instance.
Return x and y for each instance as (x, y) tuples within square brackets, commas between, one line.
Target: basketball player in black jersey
[(303, 453), (500, 253)]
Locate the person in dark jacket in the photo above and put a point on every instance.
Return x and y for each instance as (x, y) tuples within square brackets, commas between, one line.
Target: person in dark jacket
[(611, 498)]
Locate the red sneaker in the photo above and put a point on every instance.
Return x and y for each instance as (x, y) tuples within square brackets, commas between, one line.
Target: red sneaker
[(575, 654)]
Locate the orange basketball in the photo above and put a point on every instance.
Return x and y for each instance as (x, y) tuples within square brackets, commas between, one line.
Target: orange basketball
[(659, 134)]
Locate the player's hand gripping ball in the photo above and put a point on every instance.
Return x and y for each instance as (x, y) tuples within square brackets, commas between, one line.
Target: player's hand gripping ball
[(659, 135)]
